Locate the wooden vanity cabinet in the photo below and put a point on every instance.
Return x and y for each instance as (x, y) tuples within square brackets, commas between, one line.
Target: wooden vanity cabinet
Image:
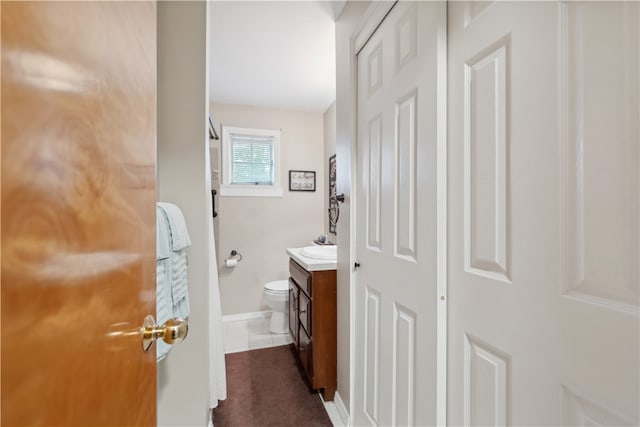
[(312, 323)]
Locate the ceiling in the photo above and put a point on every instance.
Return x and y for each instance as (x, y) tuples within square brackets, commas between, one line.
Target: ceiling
[(278, 54)]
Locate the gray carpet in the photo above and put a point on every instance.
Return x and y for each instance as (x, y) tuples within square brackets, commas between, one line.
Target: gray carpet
[(267, 388)]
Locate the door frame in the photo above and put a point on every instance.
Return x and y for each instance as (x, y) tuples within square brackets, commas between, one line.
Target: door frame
[(374, 16)]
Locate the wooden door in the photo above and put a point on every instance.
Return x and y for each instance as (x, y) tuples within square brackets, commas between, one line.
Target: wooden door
[(78, 212), (397, 239), (544, 220)]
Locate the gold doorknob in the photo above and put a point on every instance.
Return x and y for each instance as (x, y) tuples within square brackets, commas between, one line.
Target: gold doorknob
[(173, 331)]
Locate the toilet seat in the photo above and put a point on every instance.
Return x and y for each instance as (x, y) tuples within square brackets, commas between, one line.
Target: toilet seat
[(277, 287)]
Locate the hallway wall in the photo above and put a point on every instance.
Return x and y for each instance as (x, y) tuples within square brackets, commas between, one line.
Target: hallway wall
[(183, 376)]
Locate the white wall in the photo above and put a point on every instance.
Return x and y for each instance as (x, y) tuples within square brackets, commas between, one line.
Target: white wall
[(261, 228), (346, 26), (183, 377)]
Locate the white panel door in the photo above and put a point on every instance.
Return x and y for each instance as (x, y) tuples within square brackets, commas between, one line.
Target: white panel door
[(543, 213), (396, 285)]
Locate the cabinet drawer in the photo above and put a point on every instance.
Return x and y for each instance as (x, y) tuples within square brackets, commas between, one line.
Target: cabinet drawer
[(304, 307), (301, 276)]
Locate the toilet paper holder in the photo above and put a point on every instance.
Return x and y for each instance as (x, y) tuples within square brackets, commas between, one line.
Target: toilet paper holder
[(235, 256)]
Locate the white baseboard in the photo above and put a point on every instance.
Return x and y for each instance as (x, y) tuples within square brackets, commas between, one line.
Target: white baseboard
[(245, 316), (342, 410)]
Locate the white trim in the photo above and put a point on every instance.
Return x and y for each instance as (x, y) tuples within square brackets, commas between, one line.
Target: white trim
[(342, 410), (245, 316), (375, 14), (332, 411), (251, 191), (441, 222), (228, 189), (353, 188)]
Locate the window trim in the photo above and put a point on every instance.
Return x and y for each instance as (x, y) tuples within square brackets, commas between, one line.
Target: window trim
[(228, 189)]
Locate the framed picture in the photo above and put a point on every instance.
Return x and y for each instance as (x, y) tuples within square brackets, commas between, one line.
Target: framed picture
[(302, 181)]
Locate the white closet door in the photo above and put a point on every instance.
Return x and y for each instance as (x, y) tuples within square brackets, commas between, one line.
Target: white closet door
[(543, 213), (396, 295)]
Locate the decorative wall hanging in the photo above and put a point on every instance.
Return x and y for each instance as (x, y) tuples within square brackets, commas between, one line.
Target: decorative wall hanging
[(333, 203)]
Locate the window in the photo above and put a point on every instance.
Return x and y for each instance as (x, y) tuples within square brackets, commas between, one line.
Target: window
[(251, 159), (252, 163)]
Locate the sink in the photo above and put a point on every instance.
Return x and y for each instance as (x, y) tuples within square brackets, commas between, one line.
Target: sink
[(329, 252)]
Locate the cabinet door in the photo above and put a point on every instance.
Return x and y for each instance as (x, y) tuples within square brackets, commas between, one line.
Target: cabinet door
[(306, 354), (304, 309), (293, 311)]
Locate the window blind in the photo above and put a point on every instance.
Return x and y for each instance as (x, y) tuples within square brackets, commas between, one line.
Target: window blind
[(252, 160)]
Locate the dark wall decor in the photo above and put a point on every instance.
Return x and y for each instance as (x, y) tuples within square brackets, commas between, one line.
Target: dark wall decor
[(302, 180), (333, 202)]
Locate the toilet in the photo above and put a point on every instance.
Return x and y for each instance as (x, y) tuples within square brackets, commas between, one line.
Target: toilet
[(277, 296)]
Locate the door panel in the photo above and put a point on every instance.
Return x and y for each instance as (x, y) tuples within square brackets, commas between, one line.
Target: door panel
[(543, 213), (396, 289), (600, 200), (78, 212), (600, 121)]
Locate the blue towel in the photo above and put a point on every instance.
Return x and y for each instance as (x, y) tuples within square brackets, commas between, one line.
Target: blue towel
[(163, 235), (179, 288), (182, 309), (164, 305), (164, 301), (178, 275), (179, 234), (172, 294)]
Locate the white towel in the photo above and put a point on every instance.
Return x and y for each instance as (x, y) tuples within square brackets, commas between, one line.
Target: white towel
[(179, 233)]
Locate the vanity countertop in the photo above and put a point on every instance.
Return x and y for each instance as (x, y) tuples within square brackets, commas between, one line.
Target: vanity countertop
[(311, 264)]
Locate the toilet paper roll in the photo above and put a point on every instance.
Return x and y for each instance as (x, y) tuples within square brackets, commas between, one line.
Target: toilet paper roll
[(231, 263)]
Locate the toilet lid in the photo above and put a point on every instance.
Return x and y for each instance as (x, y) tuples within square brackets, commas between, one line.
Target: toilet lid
[(278, 286)]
